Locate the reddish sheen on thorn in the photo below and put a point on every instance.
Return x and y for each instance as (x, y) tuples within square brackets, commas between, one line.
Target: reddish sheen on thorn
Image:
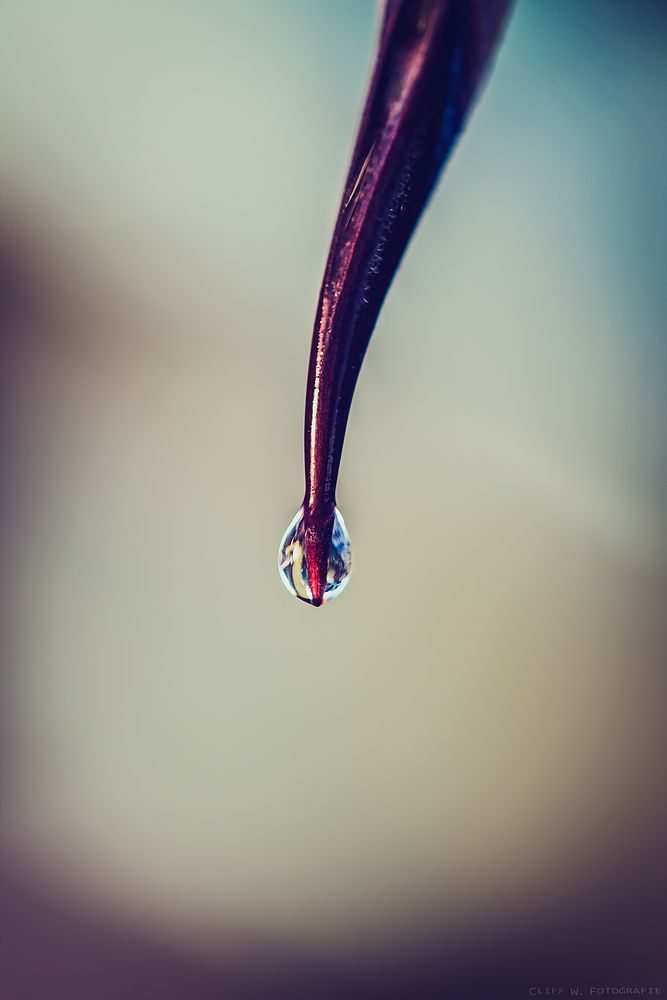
[(430, 60)]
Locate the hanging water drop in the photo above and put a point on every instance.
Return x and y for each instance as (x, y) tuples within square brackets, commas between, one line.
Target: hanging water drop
[(292, 563)]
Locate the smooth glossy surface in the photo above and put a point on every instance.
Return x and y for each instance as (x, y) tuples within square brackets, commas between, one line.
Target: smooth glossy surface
[(431, 57), (293, 566)]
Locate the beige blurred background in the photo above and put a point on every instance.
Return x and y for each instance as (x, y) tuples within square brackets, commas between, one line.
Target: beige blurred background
[(481, 730)]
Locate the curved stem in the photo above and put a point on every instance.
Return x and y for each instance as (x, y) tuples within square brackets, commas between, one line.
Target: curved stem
[(431, 56)]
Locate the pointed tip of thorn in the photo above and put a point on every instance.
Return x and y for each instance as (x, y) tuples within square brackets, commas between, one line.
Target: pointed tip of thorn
[(318, 545), (318, 580)]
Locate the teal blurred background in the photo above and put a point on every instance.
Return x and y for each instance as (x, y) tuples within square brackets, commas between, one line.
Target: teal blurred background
[(481, 737)]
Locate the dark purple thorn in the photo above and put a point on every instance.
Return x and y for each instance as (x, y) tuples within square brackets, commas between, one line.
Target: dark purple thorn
[(430, 60)]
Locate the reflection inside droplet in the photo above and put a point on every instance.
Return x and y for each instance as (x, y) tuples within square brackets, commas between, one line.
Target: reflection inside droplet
[(292, 564)]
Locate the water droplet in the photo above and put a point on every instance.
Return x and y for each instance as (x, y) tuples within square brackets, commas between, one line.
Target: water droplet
[(292, 559)]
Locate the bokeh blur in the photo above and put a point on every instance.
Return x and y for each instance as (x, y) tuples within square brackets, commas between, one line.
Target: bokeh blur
[(463, 785)]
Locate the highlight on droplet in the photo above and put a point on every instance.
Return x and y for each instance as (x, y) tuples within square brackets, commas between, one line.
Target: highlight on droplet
[(292, 564)]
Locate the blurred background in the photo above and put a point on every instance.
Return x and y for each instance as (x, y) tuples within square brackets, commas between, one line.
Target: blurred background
[(462, 795)]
